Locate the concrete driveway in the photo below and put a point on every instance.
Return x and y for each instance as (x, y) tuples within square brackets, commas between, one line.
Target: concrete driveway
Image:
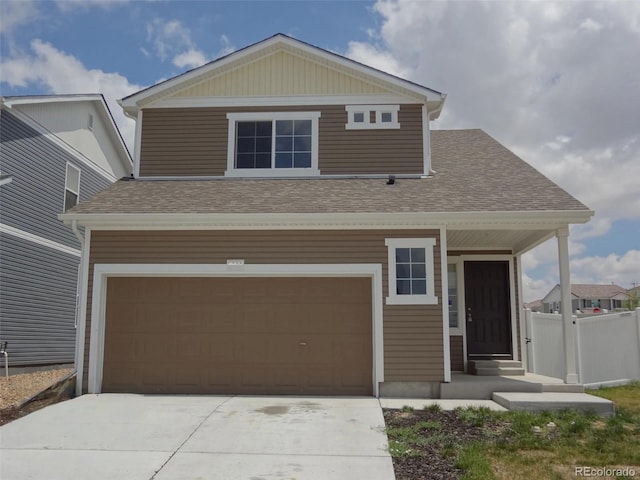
[(116, 436)]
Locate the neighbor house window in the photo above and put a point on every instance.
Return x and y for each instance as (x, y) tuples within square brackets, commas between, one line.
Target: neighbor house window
[(273, 144), (72, 187), (411, 271), (369, 117)]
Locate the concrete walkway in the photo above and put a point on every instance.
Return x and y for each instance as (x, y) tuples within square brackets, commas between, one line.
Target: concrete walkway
[(198, 437)]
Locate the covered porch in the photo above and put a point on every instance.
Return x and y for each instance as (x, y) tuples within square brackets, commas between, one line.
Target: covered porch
[(483, 303)]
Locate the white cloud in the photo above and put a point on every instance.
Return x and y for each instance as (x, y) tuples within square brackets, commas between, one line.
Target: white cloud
[(227, 46), (623, 270), (17, 13), (549, 80), (191, 58), (61, 73), (536, 288), (170, 38), (372, 56), (591, 25)]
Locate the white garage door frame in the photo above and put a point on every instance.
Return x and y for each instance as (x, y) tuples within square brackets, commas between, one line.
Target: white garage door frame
[(102, 272)]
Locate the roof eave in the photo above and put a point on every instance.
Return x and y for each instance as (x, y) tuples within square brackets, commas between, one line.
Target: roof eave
[(264, 221)]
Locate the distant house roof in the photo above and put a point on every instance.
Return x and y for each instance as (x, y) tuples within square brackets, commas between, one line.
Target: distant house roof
[(536, 304), (474, 174), (596, 291)]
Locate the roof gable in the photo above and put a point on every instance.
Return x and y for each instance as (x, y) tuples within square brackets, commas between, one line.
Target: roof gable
[(279, 66), (67, 117), (271, 75)]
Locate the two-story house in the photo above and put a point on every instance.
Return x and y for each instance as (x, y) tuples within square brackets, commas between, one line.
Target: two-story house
[(55, 151), (294, 226)]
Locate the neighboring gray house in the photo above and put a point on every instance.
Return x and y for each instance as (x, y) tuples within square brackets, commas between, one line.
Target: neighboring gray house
[(56, 151), (587, 298)]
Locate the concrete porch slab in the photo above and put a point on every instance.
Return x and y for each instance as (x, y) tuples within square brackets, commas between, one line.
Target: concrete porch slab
[(554, 401), (465, 386), (451, 404)]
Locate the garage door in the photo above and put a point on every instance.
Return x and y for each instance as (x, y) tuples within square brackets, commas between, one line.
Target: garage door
[(308, 336)]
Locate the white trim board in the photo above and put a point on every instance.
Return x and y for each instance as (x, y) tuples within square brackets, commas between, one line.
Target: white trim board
[(353, 220), (16, 232), (278, 101), (102, 272), (83, 287)]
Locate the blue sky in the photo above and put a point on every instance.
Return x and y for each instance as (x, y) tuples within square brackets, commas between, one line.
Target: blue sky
[(549, 80)]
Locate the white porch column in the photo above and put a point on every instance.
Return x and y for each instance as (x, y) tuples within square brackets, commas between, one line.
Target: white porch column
[(565, 306)]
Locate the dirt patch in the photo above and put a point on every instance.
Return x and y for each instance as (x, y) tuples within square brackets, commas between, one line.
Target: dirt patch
[(18, 388), (433, 452)]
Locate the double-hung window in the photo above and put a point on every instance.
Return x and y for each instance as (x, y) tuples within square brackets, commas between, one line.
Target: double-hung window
[(273, 144), (72, 187), (411, 271)]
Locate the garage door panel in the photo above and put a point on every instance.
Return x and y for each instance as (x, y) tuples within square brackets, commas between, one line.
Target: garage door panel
[(239, 335), (217, 348)]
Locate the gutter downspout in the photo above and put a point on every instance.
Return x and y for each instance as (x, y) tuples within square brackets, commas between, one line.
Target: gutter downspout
[(76, 232), (79, 286)]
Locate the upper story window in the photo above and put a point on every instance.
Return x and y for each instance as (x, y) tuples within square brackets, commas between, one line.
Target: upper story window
[(411, 271), (71, 187), (277, 144), (363, 117)]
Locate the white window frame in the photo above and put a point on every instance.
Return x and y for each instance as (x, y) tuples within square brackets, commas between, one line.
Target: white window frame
[(69, 188), (366, 110), (428, 244), (233, 118)]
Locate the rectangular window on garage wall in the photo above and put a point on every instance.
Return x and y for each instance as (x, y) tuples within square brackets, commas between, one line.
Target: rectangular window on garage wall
[(411, 271)]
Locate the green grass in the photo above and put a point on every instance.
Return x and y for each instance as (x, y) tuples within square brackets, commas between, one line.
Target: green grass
[(552, 451), (547, 445)]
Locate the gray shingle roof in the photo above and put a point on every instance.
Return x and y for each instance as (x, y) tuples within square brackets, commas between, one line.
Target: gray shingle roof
[(596, 291), (474, 173)]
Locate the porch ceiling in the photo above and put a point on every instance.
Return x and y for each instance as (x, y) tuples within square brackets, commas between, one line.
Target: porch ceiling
[(516, 241)]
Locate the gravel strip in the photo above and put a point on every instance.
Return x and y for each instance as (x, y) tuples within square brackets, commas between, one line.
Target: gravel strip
[(22, 386)]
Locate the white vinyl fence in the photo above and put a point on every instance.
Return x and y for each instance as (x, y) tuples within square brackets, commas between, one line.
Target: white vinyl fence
[(607, 347)]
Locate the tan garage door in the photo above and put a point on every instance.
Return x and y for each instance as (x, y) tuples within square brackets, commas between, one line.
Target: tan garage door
[(238, 336)]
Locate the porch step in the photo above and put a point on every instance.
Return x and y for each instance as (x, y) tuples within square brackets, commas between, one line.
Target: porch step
[(496, 368), (562, 388), (554, 401), (465, 386)]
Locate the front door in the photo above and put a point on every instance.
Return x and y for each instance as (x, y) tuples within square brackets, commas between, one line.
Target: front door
[(487, 309)]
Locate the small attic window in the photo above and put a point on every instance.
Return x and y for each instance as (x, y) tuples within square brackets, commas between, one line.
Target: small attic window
[(372, 117), (90, 122)]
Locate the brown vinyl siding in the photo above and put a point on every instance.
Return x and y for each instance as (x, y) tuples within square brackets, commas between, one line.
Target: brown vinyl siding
[(413, 350), (193, 142), (457, 353)]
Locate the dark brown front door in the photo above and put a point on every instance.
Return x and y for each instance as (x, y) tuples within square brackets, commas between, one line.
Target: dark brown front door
[(487, 309)]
